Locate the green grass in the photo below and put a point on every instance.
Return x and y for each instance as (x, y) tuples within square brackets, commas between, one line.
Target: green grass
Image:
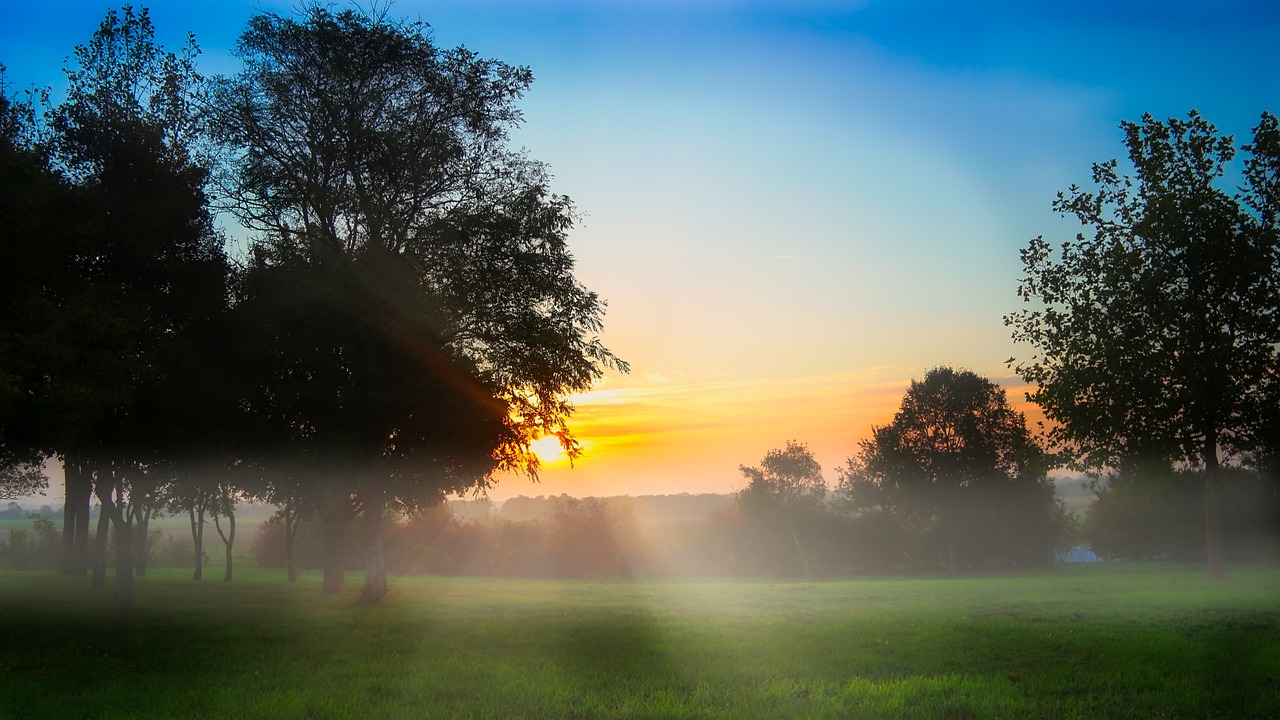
[(1120, 640)]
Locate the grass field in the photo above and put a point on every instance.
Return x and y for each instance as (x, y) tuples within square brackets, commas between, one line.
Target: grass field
[(1099, 641)]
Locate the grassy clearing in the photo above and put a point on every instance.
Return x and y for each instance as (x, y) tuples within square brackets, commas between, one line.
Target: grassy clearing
[(1088, 642)]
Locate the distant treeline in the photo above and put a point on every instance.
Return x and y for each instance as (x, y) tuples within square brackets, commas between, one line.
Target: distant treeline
[(659, 536), (14, 511), (647, 509)]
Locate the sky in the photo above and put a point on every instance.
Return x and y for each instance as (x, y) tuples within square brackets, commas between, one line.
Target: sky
[(792, 208)]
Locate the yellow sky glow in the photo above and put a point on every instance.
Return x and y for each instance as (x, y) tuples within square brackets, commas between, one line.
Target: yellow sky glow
[(648, 435)]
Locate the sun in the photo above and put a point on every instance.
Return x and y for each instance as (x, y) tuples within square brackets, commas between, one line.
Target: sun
[(548, 449)]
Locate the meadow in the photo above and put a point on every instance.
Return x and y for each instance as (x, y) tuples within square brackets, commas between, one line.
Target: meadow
[(1091, 641)]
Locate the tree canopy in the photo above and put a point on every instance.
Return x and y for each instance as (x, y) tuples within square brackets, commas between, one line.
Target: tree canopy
[(958, 470), (1154, 336), (788, 477), (414, 313)]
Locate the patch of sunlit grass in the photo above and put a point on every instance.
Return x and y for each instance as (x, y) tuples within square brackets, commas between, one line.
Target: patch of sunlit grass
[(1077, 642)]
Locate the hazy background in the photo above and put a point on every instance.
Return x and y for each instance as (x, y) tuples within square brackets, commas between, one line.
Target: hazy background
[(792, 208)]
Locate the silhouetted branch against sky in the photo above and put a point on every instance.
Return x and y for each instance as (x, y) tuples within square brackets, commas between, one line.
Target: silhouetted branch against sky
[(897, 154)]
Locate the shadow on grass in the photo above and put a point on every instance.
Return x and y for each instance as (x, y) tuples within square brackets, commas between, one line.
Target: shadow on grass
[(493, 649)]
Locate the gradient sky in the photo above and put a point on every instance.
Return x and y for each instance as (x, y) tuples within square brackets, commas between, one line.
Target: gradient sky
[(793, 208)]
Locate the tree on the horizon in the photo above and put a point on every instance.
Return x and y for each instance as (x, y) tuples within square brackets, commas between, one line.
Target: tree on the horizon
[(958, 470), (782, 496), (409, 295), (1154, 337)]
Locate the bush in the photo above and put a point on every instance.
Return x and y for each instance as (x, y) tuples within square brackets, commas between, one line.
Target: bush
[(34, 549), (170, 550)]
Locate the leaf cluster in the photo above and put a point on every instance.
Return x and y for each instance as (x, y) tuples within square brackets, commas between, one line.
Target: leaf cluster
[(1155, 334)]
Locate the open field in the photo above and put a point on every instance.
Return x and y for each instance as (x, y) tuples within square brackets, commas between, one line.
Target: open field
[(1117, 640)]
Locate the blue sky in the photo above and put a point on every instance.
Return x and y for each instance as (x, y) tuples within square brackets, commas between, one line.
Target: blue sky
[(794, 208)]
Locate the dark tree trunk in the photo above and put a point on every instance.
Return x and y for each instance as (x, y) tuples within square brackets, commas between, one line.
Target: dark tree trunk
[(375, 563), (1213, 512), (334, 570), (142, 542), (99, 578), (116, 511), (290, 531), (228, 539), (334, 506), (84, 495), (71, 508), (197, 540), (124, 557)]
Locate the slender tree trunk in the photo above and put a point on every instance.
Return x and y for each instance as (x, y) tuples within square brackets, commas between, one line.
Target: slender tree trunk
[(228, 539), (99, 578), (70, 519), (334, 572), (123, 554), (375, 563), (804, 561), (335, 509), (67, 560), (290, 531), (84, 495), (953, 548), (120, 521), (124, 565), (78, 490), (197, 540), (1213, 511), (142, 544)]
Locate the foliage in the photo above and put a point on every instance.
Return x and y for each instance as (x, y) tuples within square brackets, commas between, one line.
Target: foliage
[(1156, 512), (956, 478), (34, 549), (590, 539), (149, 272), (33, 199), (789, 477), (413, 320), (582, 539), (118, 275), (782, 508), (21, 479), (1146, 513), (1154, 338), (442, 241), (170, 549)]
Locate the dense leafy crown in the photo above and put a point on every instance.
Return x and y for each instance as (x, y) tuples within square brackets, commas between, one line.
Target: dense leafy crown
[(375, 168), (1155, 336)]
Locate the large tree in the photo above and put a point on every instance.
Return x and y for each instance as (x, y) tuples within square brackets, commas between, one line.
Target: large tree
[(32, 195), (958, 470), (410, 292), (1153, 336), (123, 289)]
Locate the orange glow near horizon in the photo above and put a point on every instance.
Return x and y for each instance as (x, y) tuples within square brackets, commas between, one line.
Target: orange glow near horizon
[(649, 436)]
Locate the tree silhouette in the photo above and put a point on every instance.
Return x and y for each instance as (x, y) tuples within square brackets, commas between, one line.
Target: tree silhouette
[(410, 292), (783, 493), (1154, 338), (132, 275), (958, 469), (151, 274), (34, 203)]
